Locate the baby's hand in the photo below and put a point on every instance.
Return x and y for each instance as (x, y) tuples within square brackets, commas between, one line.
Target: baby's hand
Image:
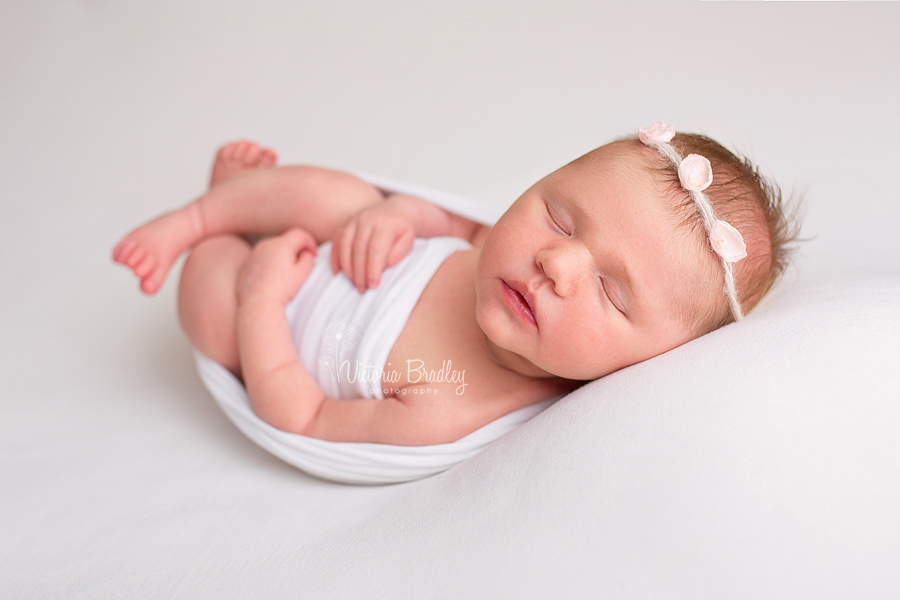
[(277, 267), (369, 242)]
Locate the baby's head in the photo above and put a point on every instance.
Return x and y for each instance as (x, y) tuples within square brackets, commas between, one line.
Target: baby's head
[(751, 243), (607, 261)]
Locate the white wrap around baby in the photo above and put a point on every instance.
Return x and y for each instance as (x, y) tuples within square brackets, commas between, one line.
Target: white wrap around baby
[(344, 339)]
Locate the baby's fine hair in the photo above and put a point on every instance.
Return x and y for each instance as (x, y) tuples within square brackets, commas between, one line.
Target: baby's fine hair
[(748, 201)]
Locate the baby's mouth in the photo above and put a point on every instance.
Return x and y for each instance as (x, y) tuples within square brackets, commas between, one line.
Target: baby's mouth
[(518, 301)]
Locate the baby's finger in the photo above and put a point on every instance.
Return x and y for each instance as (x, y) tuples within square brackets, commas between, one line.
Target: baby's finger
[(336, 241), (287, 246), (296, 274), (401, 247), (290, 238), (344, 250), (360, 249), (380, 245), (335, 265), (299, 240), (304, 265)]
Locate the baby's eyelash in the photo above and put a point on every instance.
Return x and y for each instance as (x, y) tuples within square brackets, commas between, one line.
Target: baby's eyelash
[(609, 297), (555, 222)]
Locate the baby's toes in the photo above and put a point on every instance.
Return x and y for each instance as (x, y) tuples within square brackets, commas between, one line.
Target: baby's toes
[(268, 158), (151, 283), (135, 258), (252, 156), (225, 154), (240, 153), (123, 250), (144, 266)]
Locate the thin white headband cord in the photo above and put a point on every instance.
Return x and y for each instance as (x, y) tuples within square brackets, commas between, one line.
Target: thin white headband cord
[(695, 174)]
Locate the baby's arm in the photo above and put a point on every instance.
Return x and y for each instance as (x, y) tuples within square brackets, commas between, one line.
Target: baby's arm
[(381, 235), (284, 394), (281, 390)]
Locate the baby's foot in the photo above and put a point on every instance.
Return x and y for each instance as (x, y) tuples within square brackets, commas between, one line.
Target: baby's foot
[(239, 157), (151, 249)]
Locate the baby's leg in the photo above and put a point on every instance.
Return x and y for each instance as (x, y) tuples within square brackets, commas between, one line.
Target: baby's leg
[(245, 199), (151, 249), (207, 298)]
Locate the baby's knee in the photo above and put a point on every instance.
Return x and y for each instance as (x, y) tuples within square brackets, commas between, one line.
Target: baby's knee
[(207, 303), (211, 265)]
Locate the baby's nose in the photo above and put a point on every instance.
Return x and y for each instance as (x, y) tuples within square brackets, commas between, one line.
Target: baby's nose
[(565, 266)]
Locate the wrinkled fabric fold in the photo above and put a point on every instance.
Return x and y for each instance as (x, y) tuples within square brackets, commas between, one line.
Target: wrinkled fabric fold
[(350, 462)]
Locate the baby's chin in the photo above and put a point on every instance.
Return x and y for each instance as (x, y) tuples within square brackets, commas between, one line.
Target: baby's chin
[(505, 355), (513, 361), (580, 374), (518, 363), (574, 371), (508, 358)]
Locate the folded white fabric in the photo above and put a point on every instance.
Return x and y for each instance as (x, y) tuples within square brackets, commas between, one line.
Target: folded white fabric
[(344, 338), (346, 462)]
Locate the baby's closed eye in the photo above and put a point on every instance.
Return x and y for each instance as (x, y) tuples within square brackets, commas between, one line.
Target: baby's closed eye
[(611, 294), (557, 220)]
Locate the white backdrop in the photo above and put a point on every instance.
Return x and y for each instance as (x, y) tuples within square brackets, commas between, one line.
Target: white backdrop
[(110, 113)]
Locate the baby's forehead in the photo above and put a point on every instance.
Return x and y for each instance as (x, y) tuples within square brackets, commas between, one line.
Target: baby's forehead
[(621, 172), (626, 157), (618, 163)]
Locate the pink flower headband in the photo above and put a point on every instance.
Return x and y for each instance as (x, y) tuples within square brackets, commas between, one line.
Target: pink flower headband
[(695, 174)]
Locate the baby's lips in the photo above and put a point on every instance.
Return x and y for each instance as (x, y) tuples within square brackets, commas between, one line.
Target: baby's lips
[(526, 295), (529, 300)]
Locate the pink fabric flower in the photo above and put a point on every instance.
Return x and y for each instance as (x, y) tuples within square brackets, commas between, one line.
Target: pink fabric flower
[(695, 173), (658, 133), (727, 241)]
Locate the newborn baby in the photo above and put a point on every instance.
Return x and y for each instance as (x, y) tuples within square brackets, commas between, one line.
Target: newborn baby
[(628, 251)]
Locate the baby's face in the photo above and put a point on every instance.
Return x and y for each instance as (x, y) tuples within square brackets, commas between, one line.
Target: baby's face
[(587, 272)]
